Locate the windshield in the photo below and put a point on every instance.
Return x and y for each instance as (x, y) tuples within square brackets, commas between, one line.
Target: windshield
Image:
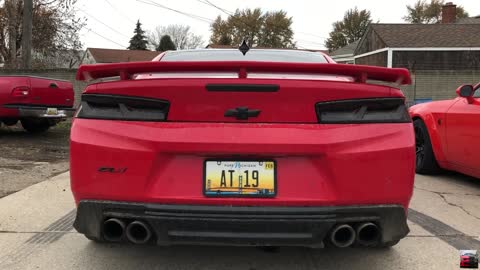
[(252, 55)]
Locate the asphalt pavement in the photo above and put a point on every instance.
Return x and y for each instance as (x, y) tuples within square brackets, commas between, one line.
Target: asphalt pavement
[(36, 233)]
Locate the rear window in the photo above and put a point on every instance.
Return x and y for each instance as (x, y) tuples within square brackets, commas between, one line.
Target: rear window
[(252, 55)]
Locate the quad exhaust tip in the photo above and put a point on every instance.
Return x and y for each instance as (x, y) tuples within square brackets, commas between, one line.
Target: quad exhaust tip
[(368, 234), (138, 232), (113, 230), (342, 236)]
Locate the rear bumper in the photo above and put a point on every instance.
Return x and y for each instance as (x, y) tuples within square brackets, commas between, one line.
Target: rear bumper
[(240, 225), (53, 112)]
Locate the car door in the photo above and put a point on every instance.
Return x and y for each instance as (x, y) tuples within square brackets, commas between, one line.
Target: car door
[(463, 135)]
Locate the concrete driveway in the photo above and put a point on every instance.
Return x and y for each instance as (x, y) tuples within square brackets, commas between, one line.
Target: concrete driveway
[(36, 233)]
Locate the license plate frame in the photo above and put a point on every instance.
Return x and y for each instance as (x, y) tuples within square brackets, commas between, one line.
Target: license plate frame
[(270, 194)]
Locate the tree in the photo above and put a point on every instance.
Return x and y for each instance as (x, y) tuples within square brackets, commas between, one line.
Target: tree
[(56, 28), (166, 44), (181, 36), (348, 30), (424, 12), (139, 40), (269, 30)]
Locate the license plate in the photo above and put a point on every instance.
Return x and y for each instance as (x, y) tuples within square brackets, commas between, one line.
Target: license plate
[(52, 111), (240, 178)]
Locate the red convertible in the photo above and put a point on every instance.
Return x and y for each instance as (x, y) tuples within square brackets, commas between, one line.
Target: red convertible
[(447, 133), (265, 147)]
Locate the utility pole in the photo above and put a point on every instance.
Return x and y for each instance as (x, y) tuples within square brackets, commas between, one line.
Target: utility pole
[(27, 34), (11, 6)]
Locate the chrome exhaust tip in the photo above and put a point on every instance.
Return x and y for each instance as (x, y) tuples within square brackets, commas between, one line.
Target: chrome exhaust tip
[(113, 230), (138, 232), (342, 236), (368, 234)]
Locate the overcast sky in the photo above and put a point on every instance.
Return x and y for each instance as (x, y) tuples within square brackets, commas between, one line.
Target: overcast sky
[(111, 22)]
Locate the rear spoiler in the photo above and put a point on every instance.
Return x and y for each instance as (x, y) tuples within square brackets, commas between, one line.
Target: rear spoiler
[(360, 73)]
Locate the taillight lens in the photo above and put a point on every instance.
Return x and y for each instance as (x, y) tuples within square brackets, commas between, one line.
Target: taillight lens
[(115, 107), (359, 111), (21, 92)]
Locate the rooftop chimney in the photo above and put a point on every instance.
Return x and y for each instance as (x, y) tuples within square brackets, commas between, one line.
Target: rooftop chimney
[(449, 13)]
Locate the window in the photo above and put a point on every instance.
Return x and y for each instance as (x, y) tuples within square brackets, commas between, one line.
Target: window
[(295, 56)]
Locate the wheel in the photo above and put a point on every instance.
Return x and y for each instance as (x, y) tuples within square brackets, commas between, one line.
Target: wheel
[(10, 122), (425, 159), (35, 125)]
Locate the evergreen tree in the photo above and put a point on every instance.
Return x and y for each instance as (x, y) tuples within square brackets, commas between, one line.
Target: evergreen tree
[(166, 44), (139, 40)]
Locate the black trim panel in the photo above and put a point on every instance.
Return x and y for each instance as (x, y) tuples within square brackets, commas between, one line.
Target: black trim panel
[(363, 111), (242, 87), (240, 225)]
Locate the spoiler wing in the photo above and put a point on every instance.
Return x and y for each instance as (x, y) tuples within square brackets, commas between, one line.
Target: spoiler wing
[(361, 73)]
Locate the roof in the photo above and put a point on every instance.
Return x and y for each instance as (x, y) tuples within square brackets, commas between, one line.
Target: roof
[(428, 35), (474, 20), (117, 56), (346, 50)]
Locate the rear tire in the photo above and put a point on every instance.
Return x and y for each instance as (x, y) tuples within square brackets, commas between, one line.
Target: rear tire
[(425, 158), (35, 125), (10, 122)]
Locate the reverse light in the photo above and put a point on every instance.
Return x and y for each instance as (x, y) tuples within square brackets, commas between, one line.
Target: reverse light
[(359, 111), (21, 92), (117, 107)]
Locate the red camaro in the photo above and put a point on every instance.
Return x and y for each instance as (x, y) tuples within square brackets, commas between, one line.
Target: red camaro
[(259, 147), (447, 133)]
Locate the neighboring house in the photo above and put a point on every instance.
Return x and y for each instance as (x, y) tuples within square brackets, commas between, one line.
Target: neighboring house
[(97, 56), (345, 55), (440, 56), (475, 20)]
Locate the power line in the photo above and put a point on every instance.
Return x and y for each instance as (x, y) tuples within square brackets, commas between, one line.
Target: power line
[(207, 2), (120, 12), (313, 35), (111, 28), (193, 16), (90, 30)]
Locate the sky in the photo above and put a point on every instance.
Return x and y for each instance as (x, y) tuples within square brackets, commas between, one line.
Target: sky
[(110, 23)]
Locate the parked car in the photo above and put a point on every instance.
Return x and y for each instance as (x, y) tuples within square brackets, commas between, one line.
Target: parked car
[(38, 103), (469, 259), (270, 148), (447, 133)]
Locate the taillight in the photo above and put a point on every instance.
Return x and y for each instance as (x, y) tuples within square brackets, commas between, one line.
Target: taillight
[(359, 111), (21, 92), (115, 107)]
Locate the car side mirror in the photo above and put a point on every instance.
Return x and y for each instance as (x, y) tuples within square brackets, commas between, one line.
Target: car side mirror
[(466, 91)]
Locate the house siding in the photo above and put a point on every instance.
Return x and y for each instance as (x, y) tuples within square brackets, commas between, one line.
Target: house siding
[(371, 42), (438, 84), (437, 60), (377, 59)]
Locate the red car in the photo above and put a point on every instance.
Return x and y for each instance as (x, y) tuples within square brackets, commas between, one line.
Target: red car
[(38, 103), (447, 133), (270, 148), (469, 259)]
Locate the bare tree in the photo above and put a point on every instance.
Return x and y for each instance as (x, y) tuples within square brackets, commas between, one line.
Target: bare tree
[(181, 36), (56, 28)]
